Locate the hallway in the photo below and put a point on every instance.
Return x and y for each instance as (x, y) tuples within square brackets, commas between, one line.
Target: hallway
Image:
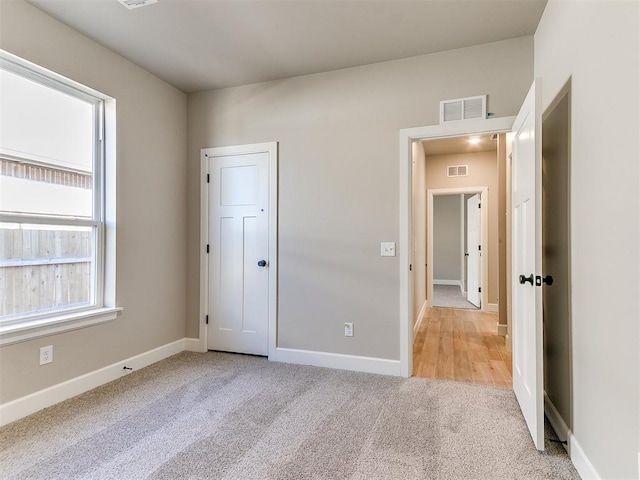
[(461, 345)]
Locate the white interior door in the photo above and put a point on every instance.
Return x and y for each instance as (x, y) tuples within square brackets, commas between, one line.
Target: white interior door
[(239, 253), (526, 261), (473, 250)]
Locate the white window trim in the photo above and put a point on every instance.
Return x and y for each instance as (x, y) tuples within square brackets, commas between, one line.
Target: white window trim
[(32, 328), (105, 309)]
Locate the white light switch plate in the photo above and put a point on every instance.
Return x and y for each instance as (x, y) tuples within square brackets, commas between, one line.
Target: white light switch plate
[(387, 249)]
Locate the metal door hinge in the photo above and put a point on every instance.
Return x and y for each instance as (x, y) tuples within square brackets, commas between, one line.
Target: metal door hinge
[(479, 205), (206, 319), (480, 247), (208, 178), (410, 267), (479, 289), (207, 248)]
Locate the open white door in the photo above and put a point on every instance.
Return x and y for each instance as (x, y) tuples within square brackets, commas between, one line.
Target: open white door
[(473, 250), (526, 261)]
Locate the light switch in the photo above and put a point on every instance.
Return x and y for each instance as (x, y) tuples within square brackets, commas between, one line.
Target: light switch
[(387, 249)]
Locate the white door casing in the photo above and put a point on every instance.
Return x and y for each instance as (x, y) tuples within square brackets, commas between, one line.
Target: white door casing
[(483, 193), (527, 263), (239, 254), (473, 250), (406, 137)]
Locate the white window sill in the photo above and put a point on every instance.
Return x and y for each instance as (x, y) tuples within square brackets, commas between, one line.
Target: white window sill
[(41, 327)]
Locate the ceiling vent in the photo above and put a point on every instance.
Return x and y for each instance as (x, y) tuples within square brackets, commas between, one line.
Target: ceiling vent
[(470, 108), (131, 4), (457, 170)]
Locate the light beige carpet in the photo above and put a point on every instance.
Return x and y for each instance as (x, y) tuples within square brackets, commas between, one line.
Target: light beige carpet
[(222, 416), (450, 296)]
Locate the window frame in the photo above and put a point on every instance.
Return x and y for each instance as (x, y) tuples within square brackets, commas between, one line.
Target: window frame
[(102, 296)]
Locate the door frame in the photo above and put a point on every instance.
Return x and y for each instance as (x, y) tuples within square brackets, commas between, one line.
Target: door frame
[(484, 237), (405, 253), (270, 148)]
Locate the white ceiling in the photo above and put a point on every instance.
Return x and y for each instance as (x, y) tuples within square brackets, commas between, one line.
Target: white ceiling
[(206, 44), (448, 146)]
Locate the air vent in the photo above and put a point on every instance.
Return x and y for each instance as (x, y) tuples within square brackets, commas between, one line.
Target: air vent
[(470, 108), (457, 170), (131, 4)]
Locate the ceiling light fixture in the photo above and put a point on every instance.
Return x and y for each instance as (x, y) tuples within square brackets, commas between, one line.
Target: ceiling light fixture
[(131, 4), (474, 140)]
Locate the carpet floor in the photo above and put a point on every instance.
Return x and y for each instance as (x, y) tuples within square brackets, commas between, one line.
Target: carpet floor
[(450, 296), (222, 416)]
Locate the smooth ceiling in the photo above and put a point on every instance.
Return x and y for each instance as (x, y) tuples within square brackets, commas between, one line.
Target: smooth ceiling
[(450, 146), (207, 44)]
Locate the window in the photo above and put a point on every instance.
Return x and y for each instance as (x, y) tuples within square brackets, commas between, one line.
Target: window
[(53, 203)]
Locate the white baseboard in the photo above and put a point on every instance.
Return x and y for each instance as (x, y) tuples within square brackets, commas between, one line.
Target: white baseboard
[(585, 468), (194, 345), (457, 283), (555, 419), (502, 330), (491, 307), (21, 407), (339, 361), (418, 322), (579, 459)]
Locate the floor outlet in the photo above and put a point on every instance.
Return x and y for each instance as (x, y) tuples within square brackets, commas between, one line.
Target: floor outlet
[(348, 329), (46, 355)]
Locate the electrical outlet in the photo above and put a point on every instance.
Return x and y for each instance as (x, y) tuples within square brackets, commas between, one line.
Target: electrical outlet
[(348, 329), (46, 355)]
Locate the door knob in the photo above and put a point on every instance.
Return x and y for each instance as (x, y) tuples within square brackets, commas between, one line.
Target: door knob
[(524, 279), (262, 263), (548, 279)]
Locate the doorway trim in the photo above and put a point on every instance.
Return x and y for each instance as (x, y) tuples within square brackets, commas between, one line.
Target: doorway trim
[(271, 148), (484, 237), (407, 137)]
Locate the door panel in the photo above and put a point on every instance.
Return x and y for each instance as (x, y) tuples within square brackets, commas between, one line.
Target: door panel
[(239, 240), (526, 263), (473, 244)]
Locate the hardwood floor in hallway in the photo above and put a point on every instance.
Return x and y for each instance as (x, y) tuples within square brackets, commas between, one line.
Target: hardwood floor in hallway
[(461, 345)]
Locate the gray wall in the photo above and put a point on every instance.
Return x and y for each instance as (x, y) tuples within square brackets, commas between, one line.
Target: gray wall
[(151, 205), (339, 180), (596, 45), (447, 237)]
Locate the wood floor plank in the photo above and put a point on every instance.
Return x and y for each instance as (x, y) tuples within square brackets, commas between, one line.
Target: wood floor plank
[(461, 345)]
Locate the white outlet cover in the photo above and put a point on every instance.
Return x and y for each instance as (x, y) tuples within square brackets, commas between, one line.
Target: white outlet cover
[(387, 249), (348, 329), (46, 355)]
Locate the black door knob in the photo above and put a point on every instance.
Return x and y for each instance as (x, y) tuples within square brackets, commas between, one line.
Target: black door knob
[(524, 279), (262, 263)]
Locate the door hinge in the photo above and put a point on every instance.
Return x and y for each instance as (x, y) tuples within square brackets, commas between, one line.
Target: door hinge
[(410, 267), (206, 319), (480, 247), (208, 178), (479, 289), (479, 205), (207, 248)]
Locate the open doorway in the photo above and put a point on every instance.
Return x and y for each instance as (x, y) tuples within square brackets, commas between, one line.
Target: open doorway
[(456, 231), (456, 332), (556, 263)]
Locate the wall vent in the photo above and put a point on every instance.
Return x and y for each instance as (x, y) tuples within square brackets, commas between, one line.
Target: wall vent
[(131, 4), (457, 109), (457, 170)]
